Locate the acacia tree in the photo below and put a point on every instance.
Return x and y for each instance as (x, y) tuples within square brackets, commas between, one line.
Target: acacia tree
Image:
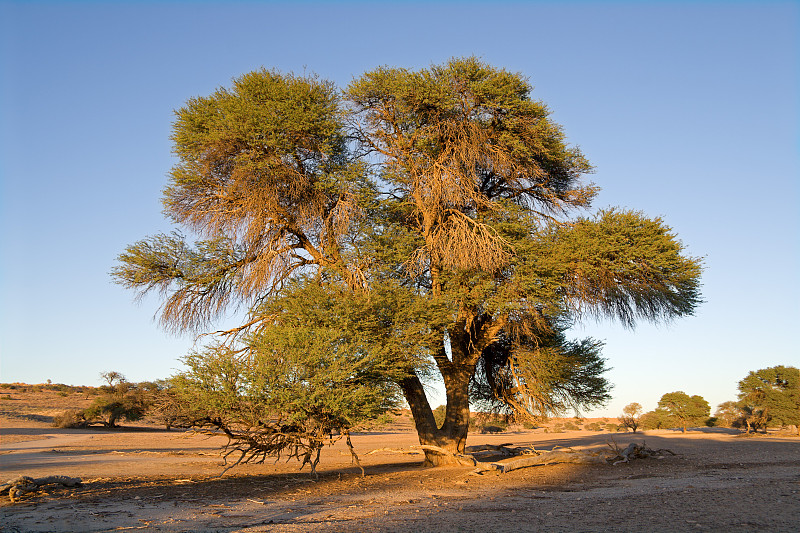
[(771, 396), (448, 188), (630, 416), (728, 414), (687, 410)]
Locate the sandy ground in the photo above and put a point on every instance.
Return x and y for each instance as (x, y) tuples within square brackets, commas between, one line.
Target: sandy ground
[(154, 480)]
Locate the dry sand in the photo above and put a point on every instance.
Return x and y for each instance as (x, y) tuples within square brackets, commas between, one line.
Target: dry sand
[(154, 480)]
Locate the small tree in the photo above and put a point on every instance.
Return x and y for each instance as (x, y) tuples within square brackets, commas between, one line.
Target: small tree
[(630, 416), (687, 410), (111, 378), (120, 400), (771, 397)]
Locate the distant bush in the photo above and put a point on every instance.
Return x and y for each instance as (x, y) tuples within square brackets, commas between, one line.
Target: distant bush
[(119, 400), (439, 414), (571, 426), (72, 418), (594, 426)]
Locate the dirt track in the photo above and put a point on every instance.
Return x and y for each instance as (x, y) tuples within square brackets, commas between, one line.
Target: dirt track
[(168, 481)]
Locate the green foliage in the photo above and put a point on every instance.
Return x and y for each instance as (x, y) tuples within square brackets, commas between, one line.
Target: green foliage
[(657, 419), (118, 400), (686, 410), (546, 376), (415, 224), (438, 415), (728, 414), (319, 369), (770, 397), (71, 418)]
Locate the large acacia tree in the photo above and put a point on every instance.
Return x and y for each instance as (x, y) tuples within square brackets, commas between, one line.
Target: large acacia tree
[(771, 397), (448, 189)]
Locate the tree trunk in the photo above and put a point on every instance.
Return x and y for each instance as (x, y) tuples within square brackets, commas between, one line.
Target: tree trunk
[(467, 339), (452, 436)]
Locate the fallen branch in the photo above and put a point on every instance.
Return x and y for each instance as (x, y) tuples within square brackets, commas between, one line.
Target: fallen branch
[(567, 455), (24, 484), (394, 450), (635, 451), (547, 458), (506, 449)]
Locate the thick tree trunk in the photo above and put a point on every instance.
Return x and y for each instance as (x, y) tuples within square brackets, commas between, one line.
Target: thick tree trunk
[(452, 436), (467, 339)]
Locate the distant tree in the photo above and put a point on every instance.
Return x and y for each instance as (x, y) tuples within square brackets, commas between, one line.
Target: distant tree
[(687, 410), (119, 400), (728, 414), (111, 377), (771, 397), (439, 414), (630, 416), (657, 419)]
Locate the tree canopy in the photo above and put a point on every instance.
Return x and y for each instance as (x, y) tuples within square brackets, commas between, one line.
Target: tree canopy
[(771, 397), (630, 417), (427, 218), (687, 410)]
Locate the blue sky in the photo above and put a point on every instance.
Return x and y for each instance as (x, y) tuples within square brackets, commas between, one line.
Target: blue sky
[(688, 111)]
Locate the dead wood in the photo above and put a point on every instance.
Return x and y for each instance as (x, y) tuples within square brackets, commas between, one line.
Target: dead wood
[(526, 456), (566, 455), (394, 450), (507, 449), (24, 484), (546, 458), (635, 451)]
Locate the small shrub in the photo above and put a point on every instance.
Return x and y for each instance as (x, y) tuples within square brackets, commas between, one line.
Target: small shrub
[(72, 418), (529, 425), (439, 414), (62, 393)]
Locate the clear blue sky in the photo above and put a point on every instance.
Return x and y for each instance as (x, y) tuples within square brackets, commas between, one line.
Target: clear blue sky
[(688, 110)]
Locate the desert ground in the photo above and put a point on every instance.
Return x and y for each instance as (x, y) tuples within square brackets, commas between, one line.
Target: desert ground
[(142, 477)]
